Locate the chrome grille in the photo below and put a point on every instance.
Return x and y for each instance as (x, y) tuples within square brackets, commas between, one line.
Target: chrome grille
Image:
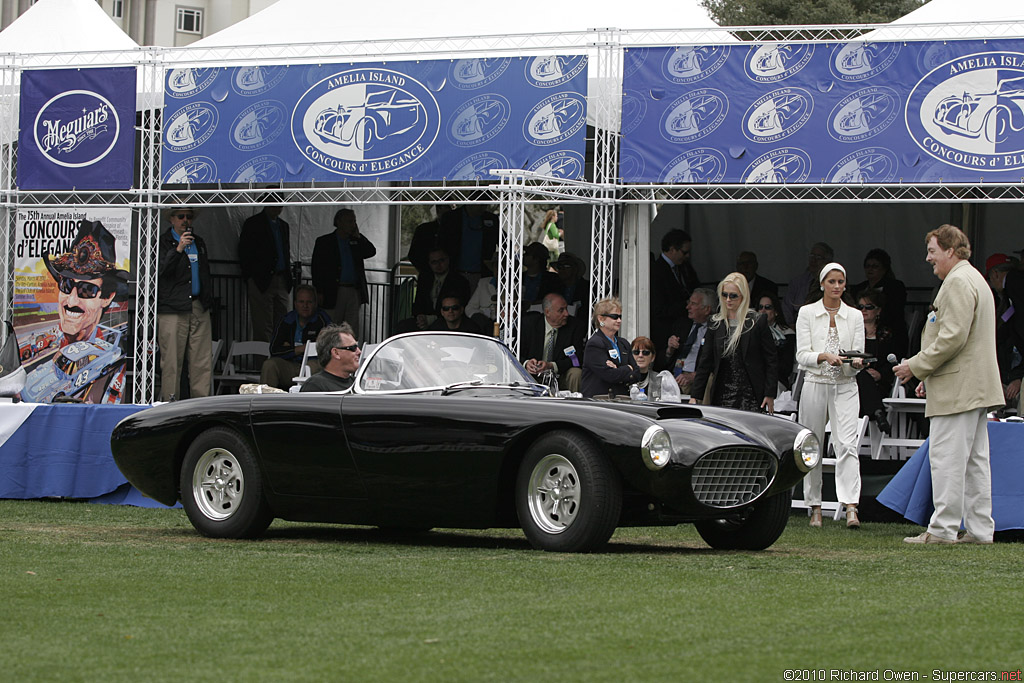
[(732, 476)]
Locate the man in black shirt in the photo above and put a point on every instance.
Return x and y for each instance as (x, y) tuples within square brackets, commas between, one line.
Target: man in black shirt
[(338, 354)]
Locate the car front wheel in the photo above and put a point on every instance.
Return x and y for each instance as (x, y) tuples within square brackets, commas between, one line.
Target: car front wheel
[(568, 497), (222, 487), (755, 529)]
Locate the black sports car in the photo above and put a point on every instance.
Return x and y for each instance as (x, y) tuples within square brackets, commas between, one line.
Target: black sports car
[(448, 430)]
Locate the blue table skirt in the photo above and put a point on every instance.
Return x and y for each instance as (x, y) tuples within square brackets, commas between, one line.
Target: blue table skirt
[(63, 451), (910, 491)]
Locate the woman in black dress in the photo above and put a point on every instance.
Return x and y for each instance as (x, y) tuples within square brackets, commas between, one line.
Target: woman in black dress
[(739, 351), (874, 382)]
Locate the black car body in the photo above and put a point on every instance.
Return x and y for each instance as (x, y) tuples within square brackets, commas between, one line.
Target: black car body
[(484, 448)]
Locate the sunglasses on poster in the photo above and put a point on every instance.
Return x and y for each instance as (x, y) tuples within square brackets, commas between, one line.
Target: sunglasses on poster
[(86, 290)]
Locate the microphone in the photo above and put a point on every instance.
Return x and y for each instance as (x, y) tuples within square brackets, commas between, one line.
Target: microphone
[(893, 360)]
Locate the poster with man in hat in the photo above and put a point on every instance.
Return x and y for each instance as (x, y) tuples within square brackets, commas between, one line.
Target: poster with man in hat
[(70, 307)]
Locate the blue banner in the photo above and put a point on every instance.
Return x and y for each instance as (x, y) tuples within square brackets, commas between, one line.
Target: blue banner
[(847, 113), (428, 120), (77, 129)]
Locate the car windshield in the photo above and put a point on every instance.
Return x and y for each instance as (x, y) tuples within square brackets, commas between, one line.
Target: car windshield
[(431, 361)]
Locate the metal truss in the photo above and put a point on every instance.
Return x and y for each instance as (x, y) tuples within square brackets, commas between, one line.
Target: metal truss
[(510, 258), (712, 194)]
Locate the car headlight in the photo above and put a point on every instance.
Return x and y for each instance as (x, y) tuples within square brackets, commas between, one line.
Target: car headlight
[(656, 447), (806, 450)]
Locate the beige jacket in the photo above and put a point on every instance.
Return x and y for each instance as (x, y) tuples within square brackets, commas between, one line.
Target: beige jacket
[(958, 346)]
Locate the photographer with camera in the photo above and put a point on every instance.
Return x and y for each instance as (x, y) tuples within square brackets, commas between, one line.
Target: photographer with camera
[(184, 298)]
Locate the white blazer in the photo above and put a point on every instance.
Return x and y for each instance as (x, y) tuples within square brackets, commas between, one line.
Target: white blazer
[(812, 325)]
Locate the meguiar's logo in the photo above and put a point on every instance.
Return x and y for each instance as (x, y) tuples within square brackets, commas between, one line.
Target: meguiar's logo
[(76, 128), (366, 122), (969, 112)]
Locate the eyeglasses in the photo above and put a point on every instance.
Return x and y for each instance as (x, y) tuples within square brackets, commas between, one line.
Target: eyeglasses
[(451, 308), (765, 307), (86, 290), (642, 352), (182, 216), (730, 295), (613, 316), (350, 347), (867, 307)]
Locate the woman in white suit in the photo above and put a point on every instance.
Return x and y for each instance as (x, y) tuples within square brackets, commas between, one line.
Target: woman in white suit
[(824, 329)]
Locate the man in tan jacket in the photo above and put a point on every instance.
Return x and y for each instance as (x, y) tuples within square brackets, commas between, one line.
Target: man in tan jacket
[(958, 363)]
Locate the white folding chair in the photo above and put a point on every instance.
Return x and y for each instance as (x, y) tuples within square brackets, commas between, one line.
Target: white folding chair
[(304, 373), (900, 410), (238, 350)]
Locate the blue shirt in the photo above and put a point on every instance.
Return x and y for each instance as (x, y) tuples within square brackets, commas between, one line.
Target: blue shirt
[(275, 230), (193, 261)]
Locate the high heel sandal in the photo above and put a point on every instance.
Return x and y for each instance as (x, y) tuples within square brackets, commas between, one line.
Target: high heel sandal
[(816, 516), (852, 520)]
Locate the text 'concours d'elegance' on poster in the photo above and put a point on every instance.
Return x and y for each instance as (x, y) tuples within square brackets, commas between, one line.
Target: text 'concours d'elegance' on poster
[(851, 113), (426, 120), (71, 274)]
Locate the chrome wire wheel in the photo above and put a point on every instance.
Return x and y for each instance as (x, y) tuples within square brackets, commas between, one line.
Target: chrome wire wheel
[(218, 484), (554, 494)]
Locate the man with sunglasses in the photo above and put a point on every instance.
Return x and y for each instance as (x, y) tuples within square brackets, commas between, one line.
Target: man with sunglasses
[(184, 297), (338, 354), (87, 282), (452, 318)]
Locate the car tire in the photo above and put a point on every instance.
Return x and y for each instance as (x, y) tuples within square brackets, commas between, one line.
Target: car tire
[(568, 497), (222, 487), (759, 527)]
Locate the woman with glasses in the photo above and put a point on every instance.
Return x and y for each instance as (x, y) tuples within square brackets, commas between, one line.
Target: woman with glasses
[(824, 330), (608, 363), (739, 354), (874, 381), (879, 275), (643, 352), (783, 336)]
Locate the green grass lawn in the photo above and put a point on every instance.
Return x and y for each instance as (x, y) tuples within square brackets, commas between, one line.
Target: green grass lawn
[(97, 592)]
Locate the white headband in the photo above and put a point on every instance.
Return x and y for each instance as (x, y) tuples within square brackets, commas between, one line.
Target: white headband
[(827, 268)]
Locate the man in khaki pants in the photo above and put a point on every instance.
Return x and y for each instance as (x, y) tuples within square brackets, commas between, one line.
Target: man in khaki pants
[(958, 363)]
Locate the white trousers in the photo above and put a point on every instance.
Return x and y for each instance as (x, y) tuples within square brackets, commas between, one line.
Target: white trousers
[(961, 477), (840, 403)]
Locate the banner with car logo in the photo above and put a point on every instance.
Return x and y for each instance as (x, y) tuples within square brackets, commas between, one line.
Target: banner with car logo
[(853, 113), (77, 129), (427, 120)]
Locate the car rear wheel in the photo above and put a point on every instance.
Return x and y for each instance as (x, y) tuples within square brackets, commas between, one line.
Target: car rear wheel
[(757, 527), (568, 497), (222, 487)]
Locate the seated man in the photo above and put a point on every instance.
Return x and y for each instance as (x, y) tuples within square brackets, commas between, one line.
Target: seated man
[(338, 353), (452, 319), (553, 341), (298, 327), (431, 289)]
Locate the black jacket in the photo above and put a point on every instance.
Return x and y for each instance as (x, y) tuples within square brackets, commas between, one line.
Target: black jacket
[(531, 341), (326, 267), (598, 378), (668, 300), (450, 237), (453, 285), (757, 349), (257, 253), (174, 277), (283, 343)]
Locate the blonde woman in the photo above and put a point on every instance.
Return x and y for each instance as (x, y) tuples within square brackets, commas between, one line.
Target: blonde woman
[(739, 351), (608, 363), (824, 328)]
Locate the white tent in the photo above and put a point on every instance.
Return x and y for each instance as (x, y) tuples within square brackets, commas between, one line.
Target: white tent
[(949, 19), (64, 26), (323, 21)]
